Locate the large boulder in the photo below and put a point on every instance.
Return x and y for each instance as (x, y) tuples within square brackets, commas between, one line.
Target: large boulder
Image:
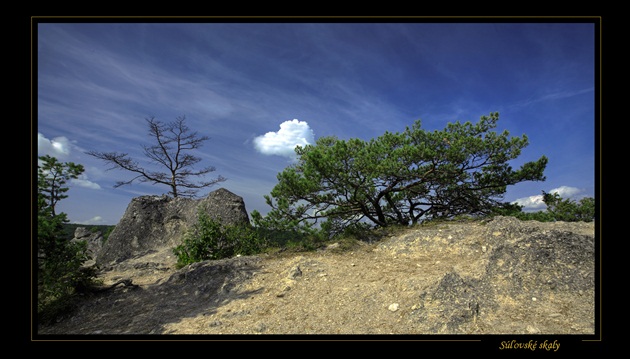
[(155, 222), (94, 240)]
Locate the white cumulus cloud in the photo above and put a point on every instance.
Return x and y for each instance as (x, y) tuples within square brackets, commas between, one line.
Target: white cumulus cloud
[(531, 203), (535, 203), (57, 147), (567, 192), (283, 142)]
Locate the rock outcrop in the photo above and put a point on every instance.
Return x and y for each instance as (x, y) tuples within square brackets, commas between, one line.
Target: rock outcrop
[(94, 240), (154, 222), (500, 276)]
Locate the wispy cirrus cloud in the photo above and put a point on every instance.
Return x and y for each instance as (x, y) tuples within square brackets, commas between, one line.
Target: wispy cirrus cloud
[(554, 96), (233, 81), (83, 181)]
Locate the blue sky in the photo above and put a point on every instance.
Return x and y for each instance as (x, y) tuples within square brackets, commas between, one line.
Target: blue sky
[(257, 89)]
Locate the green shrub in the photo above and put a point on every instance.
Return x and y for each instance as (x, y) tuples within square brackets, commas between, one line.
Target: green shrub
[(60, 274), (208, 239), (60, 271), (245, 239), (303, 243), (558, 209), (569, 210)]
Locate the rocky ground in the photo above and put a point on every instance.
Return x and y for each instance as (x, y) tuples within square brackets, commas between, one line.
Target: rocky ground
[(501, 276)]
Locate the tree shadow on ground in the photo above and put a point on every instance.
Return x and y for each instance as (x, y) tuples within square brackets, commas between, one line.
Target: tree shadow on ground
[(198, 289)]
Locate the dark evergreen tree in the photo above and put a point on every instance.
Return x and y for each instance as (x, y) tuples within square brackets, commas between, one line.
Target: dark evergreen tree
[(400, 178), (59, 260)]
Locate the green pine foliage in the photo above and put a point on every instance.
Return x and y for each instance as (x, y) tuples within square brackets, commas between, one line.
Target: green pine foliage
[(399, 178), (60, 271)]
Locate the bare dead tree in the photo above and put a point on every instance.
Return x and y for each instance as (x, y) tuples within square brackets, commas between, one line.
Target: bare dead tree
[(170, 152)]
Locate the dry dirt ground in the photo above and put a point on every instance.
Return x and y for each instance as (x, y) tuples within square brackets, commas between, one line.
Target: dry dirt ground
[(495, 277)]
